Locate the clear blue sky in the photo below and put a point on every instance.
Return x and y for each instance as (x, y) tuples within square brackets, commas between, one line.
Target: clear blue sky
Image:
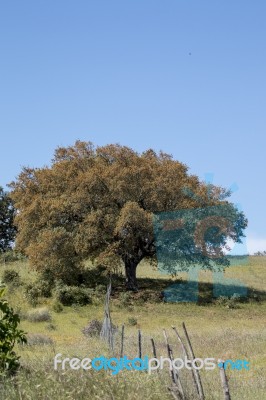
[(187, 77)]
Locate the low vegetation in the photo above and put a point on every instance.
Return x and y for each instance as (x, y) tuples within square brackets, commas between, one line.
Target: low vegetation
[(10, 334), (229, 328)]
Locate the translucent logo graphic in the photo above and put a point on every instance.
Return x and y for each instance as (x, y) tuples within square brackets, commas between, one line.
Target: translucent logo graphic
[(191, 240)]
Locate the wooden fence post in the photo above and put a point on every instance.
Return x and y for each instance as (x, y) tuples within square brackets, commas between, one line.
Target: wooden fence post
[(122, 341), (107, 328), (174, 375), (224, 381), (186, 355), (192, 356), (139, 343)]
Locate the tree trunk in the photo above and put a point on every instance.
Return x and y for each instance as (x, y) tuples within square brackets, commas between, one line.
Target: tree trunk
[(130, 270)]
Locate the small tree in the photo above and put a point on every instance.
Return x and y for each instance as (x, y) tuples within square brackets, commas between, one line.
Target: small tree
[(99, 203), (260, 253), (9, 336), (7, 228)]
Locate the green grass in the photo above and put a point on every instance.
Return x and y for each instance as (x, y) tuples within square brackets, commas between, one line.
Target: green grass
[(215, 331)]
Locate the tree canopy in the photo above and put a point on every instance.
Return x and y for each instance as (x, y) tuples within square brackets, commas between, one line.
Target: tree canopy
[(99, 202), (7, 228)]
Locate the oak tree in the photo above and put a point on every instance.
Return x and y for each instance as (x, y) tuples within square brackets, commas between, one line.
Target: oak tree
[(98, 203)]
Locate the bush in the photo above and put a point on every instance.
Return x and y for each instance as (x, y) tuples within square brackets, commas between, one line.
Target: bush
[(9, 336), (100, 289), (254, 297), (46, 282), (229, 302), (124, 299), (147, 296), (11, 256), (37, 339), (32, 294), (260, 253), (69, 295), (34, 291), (132, 321), (93, 328), (44, 287), (39, 315), (11, 276), (57, 306), (47, 275)]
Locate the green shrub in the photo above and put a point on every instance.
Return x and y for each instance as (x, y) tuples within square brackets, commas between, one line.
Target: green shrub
[(132, 321), (229, 302), (57, 306), (69, 295), (32, 294), (11, 256), (44, 287), (100, 289), (9, 336), (140, 301), (34, 291), (125, 299), (39, 315), (46, 282), (254, 297), (47, 275), (12, 277)]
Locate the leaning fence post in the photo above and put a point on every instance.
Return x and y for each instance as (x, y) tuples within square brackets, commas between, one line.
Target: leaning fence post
[(154, 352), (224, 380), (186, 355), (192, 356), (153, 348), (174, 375)]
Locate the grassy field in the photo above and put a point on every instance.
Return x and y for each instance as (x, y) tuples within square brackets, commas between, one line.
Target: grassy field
[(217, 329)]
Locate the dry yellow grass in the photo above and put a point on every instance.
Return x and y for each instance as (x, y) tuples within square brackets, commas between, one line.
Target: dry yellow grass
[(215, 331)]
